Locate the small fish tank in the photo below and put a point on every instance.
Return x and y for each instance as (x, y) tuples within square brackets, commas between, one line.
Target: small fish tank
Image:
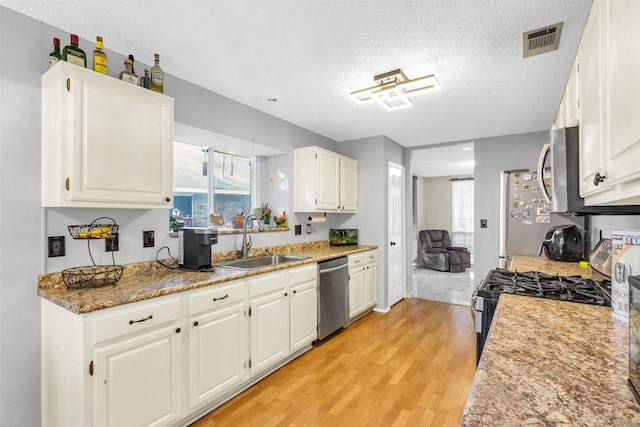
[(343, 236)]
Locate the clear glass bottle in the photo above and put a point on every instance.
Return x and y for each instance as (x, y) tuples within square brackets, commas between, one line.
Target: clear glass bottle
[(99, 57), (145, 81), (73, 54), (128, 75), (55, 56), (157, 76)]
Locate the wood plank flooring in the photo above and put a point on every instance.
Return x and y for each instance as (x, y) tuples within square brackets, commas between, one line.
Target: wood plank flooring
[(412, 366)]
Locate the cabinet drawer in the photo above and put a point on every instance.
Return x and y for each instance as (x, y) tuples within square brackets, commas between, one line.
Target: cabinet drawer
[(371, 257), (303, 274), (356, 260), (268, 282), (217, 296), (134, 318)]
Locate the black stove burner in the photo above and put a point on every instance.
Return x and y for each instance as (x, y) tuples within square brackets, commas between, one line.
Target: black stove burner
[(541, 285)]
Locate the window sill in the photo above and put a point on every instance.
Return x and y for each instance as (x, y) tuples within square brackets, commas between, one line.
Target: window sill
[(225, 231)]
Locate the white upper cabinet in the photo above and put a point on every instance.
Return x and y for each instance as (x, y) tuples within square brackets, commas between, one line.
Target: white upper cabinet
[(105, 143), (592, 113), (609, 104), (623, 102), (324, 181)]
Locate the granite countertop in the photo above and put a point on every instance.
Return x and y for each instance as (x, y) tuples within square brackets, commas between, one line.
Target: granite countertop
[(147, 280), (545, 265), (550, 362)]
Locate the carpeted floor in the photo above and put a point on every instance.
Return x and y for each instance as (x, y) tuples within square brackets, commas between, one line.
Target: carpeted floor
[(454, 288)]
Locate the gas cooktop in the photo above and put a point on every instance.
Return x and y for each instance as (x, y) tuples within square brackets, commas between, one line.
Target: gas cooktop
[(541, 285)]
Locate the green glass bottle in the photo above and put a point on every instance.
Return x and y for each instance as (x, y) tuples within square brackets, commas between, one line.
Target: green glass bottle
[(73, 54), (55, 56)]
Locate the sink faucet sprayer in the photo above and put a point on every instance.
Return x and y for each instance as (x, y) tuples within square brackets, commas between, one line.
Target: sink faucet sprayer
[(246, 241)]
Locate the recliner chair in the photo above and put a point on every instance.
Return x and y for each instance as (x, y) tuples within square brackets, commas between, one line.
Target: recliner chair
[(438, 254)]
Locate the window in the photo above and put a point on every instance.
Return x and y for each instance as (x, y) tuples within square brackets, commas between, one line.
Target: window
[(208, 181), (462, 213)]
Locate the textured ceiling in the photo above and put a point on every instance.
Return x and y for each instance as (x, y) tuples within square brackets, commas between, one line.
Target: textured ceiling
[(312, 54)]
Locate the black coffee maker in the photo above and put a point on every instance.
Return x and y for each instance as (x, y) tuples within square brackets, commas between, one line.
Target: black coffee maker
[(563, 243), (195, 247)]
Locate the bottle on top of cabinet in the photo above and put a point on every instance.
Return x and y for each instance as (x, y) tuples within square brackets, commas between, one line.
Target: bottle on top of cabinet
[(145, 81), (73, 54), (99, 57), (55, 55), (157, 76), (129, 75)]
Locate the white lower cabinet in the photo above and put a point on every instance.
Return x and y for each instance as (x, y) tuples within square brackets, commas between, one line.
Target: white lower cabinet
[(137, 381), (218, 341), (269, 314), (303, 308), (363, 282), (163, 361), (370, 278), (356, 284)]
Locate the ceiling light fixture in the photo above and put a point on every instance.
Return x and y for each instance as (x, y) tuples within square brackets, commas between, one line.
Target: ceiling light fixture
[(392, 89)]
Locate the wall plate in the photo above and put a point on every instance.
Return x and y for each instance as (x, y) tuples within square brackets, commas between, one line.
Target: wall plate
[(55, 246), (148, 239), (111, 244)]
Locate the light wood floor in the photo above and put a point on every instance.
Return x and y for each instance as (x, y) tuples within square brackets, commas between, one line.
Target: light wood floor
[(412, 366)]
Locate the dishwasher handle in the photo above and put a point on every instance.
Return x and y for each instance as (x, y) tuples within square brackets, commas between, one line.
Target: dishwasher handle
[(321, 271)]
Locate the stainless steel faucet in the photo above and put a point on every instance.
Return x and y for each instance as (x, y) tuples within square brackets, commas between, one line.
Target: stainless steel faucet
[(246, 240)]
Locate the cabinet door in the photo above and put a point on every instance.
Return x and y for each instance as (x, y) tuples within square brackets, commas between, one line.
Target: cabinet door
[(116, 142), (328, 172), (592, 114), (304, 314), (269, 314), (218, 342), (348, 184), (356, 291), (571, 99), (137, 381), (623, 92), (371, 284)]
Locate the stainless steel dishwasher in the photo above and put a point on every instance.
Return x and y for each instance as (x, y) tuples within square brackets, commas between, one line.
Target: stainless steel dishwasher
[(333, 296)]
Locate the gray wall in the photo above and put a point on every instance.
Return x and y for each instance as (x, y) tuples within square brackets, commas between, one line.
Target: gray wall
[(373, 155), (493, 155), (21, 219)]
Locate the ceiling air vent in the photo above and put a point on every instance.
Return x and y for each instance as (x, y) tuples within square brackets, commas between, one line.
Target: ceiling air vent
[(541, 40)]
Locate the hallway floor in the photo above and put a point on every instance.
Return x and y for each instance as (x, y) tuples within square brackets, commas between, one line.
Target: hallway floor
[(453, 288)]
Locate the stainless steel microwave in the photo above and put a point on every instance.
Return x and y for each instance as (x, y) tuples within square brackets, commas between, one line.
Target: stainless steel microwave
[(563, 150)]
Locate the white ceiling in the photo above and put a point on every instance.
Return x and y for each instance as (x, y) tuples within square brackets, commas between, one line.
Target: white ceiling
[(312, 54)]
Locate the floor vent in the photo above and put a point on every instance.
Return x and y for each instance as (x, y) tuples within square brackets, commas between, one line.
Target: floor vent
[(541, 40)]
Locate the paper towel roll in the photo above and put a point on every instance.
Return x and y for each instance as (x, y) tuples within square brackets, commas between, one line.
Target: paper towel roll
[(315, 219)]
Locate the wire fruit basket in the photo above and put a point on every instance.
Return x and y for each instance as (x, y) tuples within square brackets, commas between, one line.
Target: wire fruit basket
[(93, 276)]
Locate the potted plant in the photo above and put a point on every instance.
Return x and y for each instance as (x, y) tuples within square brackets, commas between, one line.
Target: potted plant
[(237, 221)]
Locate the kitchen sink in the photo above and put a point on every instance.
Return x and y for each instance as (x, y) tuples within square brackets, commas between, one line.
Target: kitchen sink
[(256, 262)]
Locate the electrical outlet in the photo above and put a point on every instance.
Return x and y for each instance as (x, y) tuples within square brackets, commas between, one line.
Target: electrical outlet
[(483, 223), (148, 239), (55, 246), (298, 229), (111, 244)]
